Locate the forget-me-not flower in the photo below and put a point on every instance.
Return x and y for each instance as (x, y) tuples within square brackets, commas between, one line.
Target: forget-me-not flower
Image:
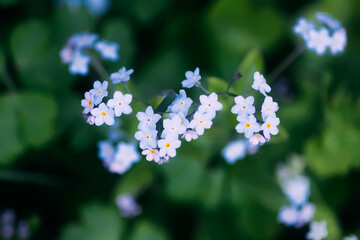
[(243, 106), (106, 151), (181, 103), (148, 119), (103, 114), (191, 78), (328, 20), (125, 156), (120, 103), (108, 51), (247, 125), (99, 91), (270, 126), (210, 104), (168, 146), (303, 27), (152, 154), (317, 231), (260, 84), (319, 40), (88, 102), (147, 138), (268, 108), (121, 76), (173, 127), (234, 151), (200, 122), (79, 64), (338, 41)]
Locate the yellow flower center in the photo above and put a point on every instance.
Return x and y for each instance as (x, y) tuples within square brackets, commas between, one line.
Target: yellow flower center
[(258, 135), (152, 151), (248, 125), (201, 121), (103, 113), (90, 103), (99, 92), (147, 136), (268, 125), (167, 145)]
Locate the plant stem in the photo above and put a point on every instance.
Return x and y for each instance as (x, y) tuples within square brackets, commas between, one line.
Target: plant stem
[(202, 88), (99, 68), (286, 62), (8, 81)]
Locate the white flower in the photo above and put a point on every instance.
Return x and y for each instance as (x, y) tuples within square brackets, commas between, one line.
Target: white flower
[(317, 231), (99, 91), (191, 78), (183, 118), (151, 154), (200, 122), (87, 103), (306, 214), (127, 205), (120, 103), (243, 106), (181, 103), (319, 40), (148, 119), (297, 190), (351, 237), (103, 114), (121, 76), (338, 41), (269, 108), (168, 146), (190, 135), (210, 104), (260, 84), (303, 27), (125, 155), (234, 151), (270, 127), (288, 215), (173, 127), (247, 125), (107, 50), (257, 138), (147, 138), (106, 151)]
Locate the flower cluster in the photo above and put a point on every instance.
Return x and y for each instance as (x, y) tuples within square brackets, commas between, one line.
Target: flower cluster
[(95, 7), (248, 122), (297, 189), (11, 229), (160, 139), (96, 111), (76, 51), (329, 35), (127, 205)]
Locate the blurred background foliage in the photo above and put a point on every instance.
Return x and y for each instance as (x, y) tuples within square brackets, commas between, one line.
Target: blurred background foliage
[(49, 170)]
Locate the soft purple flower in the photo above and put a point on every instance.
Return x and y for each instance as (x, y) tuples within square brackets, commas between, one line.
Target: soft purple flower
[(127, 205)]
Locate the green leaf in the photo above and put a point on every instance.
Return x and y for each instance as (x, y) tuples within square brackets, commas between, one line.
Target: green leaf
[(11, 143), (252, 62), (217, 84), (37, 115), (96, 222), (146, 230), (163, 106), (8, 3)]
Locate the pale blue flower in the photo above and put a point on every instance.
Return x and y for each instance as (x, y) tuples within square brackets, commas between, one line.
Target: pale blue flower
[(303, 27), (121, 76), (168, 146), (338, 41), (243, 106), (270, 127), (87, 103), (191, 78), (247, 125), (127, 205), (319, 40), (296, 216), (181, 103), (234, 150), (99, 91), (268, 108), (148, 119), (147, 138), (328, 20), (210, 104), (108, 51), (173, 127), (84, 40), (126, 155), (120, 103), (201, 122), (102, 115), (297, 190), (317, 231), (106, 151), (79, 64), (97, 7), (260, 84)]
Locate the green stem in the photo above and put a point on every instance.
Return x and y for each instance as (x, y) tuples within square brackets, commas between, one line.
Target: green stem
[(286, 62), (8, 81)]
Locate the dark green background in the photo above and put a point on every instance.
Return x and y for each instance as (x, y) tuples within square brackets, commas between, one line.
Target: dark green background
[(49, 170)]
